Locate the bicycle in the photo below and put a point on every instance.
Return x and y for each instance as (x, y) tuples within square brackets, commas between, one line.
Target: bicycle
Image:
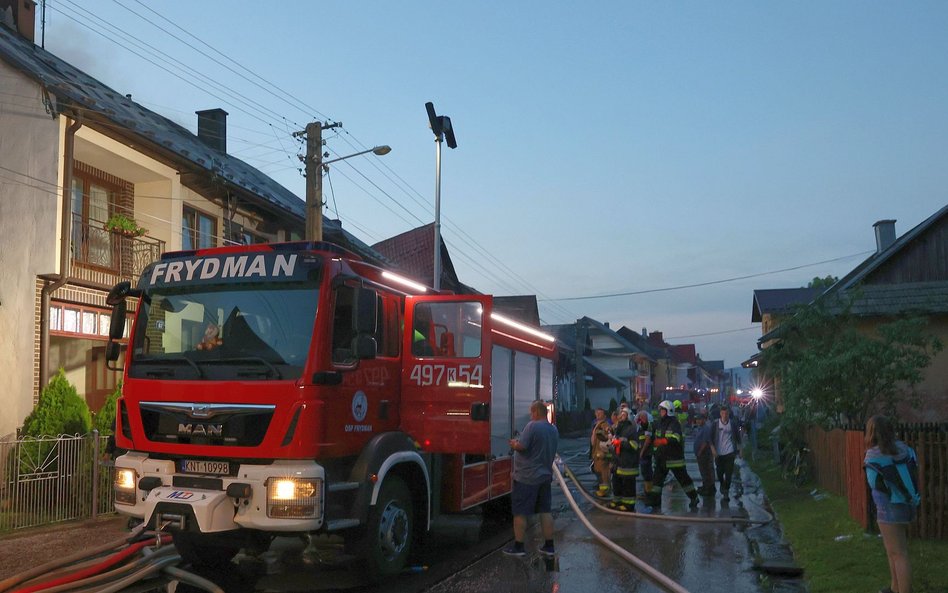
[(796, 468)]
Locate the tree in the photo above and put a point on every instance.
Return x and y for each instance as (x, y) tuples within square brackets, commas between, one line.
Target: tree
[(59, 411), (104, 421), (831, 371), (823, 283)]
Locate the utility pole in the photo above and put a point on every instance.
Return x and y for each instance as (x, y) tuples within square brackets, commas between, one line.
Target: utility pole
[(314, 178)]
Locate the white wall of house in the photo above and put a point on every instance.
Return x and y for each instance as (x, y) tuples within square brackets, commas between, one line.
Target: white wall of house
[(30, 144), (599, 396)]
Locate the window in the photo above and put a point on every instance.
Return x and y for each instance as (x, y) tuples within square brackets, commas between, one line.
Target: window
[(198, 230), (342, 326), (447, 329), (93, 201), (76, 320)]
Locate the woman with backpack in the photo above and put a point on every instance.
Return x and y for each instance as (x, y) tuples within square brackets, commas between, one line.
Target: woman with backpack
[(891, 469)]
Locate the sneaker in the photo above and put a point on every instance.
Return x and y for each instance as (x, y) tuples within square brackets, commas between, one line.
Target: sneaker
[(513, 550), (645, 509), (547, 551)]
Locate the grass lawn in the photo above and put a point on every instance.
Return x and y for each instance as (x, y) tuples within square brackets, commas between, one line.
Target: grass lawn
[(858, 563)]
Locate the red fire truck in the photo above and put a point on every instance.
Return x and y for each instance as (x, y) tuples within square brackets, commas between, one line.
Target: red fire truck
[(297, 389)]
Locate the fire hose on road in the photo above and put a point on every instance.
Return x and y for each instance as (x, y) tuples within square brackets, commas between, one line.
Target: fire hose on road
[(651, 573), (655, 517), (108, 568), (648, 571)]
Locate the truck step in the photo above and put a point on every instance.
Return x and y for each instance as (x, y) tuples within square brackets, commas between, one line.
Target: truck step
[(337, 524), (340, 486)]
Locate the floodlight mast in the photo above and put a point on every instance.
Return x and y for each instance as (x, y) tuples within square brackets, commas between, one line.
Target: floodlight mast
[(441, 128)]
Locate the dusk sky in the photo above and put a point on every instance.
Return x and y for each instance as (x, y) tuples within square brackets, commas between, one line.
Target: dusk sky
[(603, 148)]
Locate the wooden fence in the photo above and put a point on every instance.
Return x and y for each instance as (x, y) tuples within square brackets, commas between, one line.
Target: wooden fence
[(837, 457)]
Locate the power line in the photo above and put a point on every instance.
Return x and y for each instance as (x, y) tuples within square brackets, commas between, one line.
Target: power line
[(699, 284), (727, 331)]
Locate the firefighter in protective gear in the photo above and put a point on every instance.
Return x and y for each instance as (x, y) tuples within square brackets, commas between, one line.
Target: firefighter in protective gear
[(682, 415), (669, 444), (600, 443), (643, 421), (625, 441)]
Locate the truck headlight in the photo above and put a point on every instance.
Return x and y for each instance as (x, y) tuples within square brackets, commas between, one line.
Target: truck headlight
[(294, 498), (125, 485)]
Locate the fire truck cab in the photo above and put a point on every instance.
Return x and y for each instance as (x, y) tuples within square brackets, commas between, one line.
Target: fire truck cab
[(296, 389)]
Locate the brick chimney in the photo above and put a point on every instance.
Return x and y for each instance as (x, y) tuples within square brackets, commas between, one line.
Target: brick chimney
[(885, 234), (24, 16), (212, 128)]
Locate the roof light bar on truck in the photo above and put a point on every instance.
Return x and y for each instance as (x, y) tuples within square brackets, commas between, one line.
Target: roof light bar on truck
[(524, 328), (404, 281)]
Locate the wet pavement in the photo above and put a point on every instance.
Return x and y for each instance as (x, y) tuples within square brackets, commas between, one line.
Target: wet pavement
[(702, 558)]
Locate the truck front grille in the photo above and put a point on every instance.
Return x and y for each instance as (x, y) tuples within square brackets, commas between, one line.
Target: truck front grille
[(233, 425)]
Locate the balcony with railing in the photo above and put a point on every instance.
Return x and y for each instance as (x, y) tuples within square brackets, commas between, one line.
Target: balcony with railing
[(105, 257)]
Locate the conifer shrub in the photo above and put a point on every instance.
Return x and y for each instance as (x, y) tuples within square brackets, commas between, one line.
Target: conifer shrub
[(60, 411), (104, 420)]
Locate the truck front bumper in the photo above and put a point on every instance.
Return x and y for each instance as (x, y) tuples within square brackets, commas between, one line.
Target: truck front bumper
[(284, 496)]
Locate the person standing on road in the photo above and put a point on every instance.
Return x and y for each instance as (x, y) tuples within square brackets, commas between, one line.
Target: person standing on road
[(533, 458), (644, 421), (600, 443), (702, 450), (669, 443), (626, 443), (725, 443), (890, 470)]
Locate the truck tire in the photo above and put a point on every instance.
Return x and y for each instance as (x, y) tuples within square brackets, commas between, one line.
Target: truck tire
[(387, 540), (204, 551)]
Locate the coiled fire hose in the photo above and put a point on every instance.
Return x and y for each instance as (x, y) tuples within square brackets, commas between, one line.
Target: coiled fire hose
[(130, 560)]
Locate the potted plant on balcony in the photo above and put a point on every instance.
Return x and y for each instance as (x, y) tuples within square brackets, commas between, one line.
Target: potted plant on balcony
[(124, 225)]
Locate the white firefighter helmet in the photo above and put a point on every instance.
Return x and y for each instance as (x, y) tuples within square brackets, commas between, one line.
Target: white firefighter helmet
[(667, 406)]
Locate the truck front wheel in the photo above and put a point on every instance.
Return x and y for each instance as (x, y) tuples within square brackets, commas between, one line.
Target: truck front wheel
[(388, 536)]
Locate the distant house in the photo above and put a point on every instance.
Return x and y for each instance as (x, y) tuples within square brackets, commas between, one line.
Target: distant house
[(605, 366), (76, 155), (905, 275), (773, 305)]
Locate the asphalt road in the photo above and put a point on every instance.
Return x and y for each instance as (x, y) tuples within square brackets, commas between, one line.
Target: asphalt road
[(466, 557)]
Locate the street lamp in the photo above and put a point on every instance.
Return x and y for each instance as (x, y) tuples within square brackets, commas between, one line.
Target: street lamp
[(378, 150), (441, 127), (314, 175)]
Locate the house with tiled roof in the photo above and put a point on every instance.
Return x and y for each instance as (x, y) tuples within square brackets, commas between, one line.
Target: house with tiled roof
[(906, 275), (94, 186), (412, 253), (625, 368)]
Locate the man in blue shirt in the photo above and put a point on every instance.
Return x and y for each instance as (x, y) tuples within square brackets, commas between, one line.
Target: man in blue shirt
[(702, 449), (533, 458)]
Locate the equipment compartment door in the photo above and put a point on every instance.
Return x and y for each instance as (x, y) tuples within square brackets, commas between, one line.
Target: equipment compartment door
[(446, 377)]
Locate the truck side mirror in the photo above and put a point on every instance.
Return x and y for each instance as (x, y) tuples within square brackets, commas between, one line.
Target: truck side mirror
[(366, 311), (117, 323), (112, 351), (364, 346)]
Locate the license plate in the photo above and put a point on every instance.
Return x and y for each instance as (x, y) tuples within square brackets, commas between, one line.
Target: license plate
[(201, 466)]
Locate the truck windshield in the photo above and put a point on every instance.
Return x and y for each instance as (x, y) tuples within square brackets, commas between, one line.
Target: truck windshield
[(234, 331)]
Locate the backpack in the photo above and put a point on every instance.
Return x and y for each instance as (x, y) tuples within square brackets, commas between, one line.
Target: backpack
[(889, 475)]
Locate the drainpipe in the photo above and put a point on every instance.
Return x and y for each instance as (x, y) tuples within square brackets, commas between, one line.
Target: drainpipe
[(65, 235)]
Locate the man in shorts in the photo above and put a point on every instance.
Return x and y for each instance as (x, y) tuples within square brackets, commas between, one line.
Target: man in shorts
[(532, 479)]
